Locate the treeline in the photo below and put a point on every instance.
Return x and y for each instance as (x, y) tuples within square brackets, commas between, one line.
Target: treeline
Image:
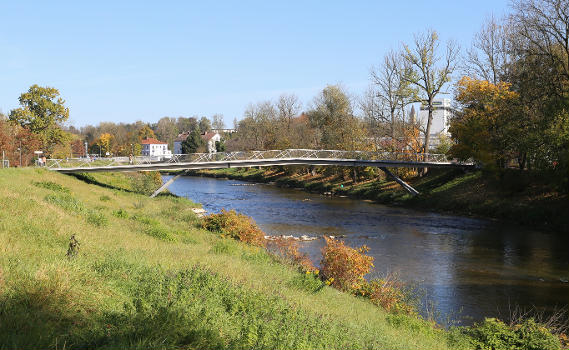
[(511, 104), (511, 108)]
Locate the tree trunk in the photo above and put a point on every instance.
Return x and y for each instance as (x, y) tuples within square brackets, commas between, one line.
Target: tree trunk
[(427, 135)]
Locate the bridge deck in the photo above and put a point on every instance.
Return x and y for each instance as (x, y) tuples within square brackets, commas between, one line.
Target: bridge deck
[(262, 162), (258, 158)]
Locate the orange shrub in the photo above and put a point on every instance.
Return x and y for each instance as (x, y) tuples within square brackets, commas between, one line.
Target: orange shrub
[(287, 249), (344, 267), (236, 226), (387, 293)]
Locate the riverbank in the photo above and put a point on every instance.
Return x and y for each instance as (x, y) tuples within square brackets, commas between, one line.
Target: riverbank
[(525, 199), (89, 263)]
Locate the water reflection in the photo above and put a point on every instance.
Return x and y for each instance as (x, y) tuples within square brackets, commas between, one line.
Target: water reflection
[(472, 265)]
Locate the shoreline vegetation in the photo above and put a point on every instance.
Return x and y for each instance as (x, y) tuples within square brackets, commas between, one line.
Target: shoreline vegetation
[(522, 198), (91, 261)]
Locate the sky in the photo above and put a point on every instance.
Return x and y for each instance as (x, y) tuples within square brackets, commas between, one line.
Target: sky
[(124, 61)]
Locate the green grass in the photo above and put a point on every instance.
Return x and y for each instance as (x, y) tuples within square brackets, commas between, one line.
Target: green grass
[(146, 276)]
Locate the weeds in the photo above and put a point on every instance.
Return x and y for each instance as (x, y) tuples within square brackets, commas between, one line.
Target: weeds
[(52, 186), (120, 213), (223, 247), (104, 198), (96, 218)]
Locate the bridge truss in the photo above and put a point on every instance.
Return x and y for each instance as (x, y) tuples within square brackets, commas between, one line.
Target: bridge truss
[(196, 161)]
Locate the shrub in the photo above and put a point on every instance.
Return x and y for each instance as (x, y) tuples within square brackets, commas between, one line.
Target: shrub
[(236, 226), (344, 267), (528, 335), (388, 293), (309, 281), (97, 218), (287, 251), (120, 213)]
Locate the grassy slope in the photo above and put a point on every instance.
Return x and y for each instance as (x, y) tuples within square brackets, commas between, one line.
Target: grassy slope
[(155, 279), (527, 201)]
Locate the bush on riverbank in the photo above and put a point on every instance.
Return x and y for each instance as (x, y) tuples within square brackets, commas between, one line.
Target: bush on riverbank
[(237, 226), (344, 267), (528, 335)]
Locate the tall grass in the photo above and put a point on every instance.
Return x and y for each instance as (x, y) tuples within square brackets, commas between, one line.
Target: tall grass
[(126, 288)]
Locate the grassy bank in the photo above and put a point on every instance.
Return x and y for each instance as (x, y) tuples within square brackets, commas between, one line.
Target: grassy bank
[(524, 198), (145, 275)]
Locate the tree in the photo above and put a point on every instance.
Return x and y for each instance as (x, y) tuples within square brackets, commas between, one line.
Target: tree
[(166, 130), (204, 124), (105, 143), (288, 107), (145, 133), (193, 142), (42, 112), (489, 57), (484, 129), (332, 114), (427, 71), (217, 121), (13, 139)]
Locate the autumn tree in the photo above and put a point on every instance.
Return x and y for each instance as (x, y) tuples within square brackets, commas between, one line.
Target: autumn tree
[(145, 132), (43, 112), (485, 129)]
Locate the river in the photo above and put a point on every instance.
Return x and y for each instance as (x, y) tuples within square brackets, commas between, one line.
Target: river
[(468, 268)]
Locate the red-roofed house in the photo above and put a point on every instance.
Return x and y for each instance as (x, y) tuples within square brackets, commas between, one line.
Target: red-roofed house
[(154, 148)]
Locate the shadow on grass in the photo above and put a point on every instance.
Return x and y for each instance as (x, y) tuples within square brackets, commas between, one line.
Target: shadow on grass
[(85, 177)]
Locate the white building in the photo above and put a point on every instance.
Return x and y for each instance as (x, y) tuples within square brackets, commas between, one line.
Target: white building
[(210, 139), (154, 148), (441, 118)]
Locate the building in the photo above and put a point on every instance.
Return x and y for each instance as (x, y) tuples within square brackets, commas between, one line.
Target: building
[(209, 138), (154, 148), (441, 118), (178, 142)]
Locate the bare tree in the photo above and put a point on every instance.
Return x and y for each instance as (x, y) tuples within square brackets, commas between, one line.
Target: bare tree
[(217, 121), (489, 56), (544, 27), (425, 69), (288, 107), (393, 93)]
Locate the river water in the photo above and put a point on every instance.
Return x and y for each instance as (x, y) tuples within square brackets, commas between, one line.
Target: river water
[(468, 268)]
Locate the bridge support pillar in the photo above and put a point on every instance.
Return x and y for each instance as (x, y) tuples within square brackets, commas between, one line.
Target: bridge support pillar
[(167, 183), (403, 184)]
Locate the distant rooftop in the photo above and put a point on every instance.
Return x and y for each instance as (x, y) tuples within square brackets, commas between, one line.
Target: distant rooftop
[(152, 141)]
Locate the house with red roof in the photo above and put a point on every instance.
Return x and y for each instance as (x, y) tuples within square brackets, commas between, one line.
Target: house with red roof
[(154, 148)]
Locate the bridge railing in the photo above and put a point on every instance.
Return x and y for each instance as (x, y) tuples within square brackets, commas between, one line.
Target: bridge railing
[(248, 155)]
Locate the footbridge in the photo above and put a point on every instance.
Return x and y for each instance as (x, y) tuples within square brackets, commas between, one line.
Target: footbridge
[(244, 159)]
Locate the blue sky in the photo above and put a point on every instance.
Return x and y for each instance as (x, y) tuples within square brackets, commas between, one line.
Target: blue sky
[(125, 61)]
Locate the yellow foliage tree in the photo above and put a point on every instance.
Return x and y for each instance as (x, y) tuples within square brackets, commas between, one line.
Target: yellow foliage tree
[(485, 129)]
